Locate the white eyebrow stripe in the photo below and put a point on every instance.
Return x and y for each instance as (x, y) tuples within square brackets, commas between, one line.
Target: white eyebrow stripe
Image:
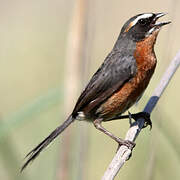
[(143, 16)]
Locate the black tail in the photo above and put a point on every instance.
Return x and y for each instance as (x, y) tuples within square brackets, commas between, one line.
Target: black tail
[(36, 151)]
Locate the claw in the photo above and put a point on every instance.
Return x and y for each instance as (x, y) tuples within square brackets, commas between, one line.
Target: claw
[(130, 119), (129, 144)]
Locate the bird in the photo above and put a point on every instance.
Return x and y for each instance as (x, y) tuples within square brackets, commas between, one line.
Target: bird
[(118, 83)]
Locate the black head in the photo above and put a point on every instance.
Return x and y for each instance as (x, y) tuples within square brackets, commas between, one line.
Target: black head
[(142, 25)]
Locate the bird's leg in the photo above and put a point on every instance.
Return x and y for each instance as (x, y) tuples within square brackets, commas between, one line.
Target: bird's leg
[(136, 116), (129, 144)]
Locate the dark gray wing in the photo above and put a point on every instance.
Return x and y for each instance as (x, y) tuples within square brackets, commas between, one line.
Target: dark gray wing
[(117, 69)]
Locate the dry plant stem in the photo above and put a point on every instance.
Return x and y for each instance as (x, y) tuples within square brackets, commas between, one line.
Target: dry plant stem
[(72, 81), (123, 153)]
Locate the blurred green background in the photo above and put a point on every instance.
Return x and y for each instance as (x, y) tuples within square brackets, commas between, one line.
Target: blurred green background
[(48, 50)]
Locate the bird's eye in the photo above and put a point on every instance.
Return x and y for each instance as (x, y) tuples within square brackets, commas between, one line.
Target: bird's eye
[(142, 21)]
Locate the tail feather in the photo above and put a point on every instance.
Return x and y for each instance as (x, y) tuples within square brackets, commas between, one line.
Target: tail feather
[(36, 151)]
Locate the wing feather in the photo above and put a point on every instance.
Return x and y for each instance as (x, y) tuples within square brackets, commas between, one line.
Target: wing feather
[(117, 69)]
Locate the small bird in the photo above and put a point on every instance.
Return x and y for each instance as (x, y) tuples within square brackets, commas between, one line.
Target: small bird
[(118, 83)]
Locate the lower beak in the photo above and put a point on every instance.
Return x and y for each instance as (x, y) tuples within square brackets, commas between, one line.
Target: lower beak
[(160, 24)]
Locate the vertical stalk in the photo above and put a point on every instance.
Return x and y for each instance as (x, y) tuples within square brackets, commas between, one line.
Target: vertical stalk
[(76, 60)]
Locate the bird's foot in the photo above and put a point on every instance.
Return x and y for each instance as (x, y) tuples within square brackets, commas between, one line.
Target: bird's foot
[(145, 116), (127, 143)]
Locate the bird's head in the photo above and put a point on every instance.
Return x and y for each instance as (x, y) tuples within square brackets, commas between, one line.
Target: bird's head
[(142, 26)]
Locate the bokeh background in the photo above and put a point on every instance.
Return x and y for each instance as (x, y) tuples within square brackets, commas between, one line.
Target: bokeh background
[(48, 51)]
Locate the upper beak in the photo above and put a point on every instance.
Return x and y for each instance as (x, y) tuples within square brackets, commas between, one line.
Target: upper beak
[(158, 15), (159, 24)]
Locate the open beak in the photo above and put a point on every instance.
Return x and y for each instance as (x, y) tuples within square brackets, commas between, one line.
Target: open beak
[(159, 24)]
